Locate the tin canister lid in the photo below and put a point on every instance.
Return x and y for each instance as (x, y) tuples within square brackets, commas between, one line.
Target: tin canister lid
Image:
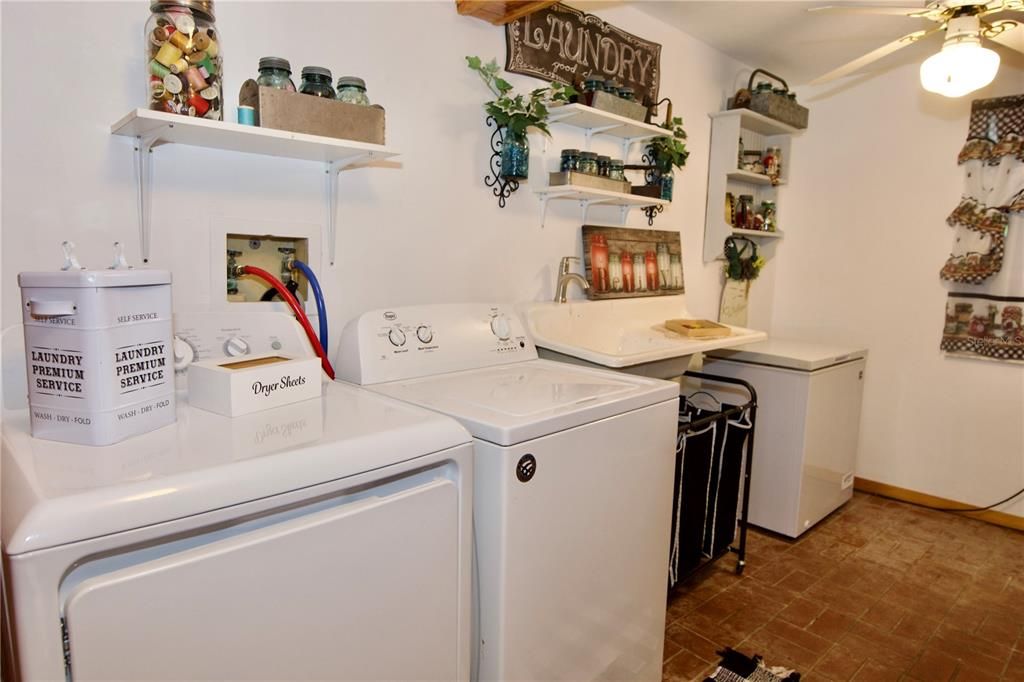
[(351, 80), (202, 6), (91, 279), (275, 63)]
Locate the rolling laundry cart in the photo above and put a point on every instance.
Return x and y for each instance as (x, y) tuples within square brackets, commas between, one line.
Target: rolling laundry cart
[(712, 477)]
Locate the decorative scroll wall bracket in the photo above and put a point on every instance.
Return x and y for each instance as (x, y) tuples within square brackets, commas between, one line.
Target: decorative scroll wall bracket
[(501, 186)]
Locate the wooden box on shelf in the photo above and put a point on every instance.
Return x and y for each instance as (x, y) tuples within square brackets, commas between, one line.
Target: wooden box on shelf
[(299, 113), (605, 101), (587, 180)]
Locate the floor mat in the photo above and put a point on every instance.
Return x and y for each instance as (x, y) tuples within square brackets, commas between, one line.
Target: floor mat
[(735, 667)]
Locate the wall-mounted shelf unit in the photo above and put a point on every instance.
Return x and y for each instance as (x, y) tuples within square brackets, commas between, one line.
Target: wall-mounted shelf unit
[(587, 197), (758, 132), (154, 128), (596, 122)]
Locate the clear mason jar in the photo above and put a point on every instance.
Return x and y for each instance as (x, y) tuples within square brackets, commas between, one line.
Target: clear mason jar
[(352, 89), (184, 61), (276, 72), (316, 80)]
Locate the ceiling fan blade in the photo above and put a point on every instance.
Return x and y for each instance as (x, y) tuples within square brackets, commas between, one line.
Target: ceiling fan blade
[(1008, 33), (918, 12), (874, 55)]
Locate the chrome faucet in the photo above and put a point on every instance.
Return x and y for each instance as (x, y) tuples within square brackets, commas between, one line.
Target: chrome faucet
[(564, 277)]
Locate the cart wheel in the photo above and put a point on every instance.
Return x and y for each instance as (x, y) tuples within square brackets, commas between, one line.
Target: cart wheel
[(740, 565)]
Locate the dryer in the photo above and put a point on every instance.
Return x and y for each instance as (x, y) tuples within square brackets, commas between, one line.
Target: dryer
[(573, 486), (327, 539)]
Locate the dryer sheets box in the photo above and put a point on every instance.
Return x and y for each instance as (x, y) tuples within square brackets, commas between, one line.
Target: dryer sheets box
[(237, 386)]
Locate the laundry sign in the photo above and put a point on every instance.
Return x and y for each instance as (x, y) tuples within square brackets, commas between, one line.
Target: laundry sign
[(562, 44)]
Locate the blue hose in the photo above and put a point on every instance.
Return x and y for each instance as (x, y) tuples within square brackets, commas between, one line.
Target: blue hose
[(318, 296)]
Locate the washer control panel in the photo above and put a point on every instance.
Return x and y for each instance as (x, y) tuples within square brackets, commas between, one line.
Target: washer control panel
[(392, 344)]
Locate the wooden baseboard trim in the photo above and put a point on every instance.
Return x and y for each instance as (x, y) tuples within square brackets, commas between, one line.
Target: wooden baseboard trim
[(997, 518)]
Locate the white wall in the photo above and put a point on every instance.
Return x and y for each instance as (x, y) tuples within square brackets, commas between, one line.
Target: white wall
[(428, 231), (873, 180)]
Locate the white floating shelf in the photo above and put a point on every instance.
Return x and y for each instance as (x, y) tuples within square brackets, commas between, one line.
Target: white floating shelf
[(758, 123), (588, 196), (597, 122), (201, 132), (758, 233), (751, 177)]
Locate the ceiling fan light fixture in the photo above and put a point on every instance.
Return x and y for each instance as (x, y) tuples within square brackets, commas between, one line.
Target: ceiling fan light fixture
[(960, 67)]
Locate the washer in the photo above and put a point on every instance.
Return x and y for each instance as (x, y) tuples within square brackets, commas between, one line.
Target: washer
[(573, 478), (327, 539)]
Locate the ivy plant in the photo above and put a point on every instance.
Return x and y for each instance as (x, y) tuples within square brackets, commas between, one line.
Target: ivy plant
[(517, 112), (670, 151)]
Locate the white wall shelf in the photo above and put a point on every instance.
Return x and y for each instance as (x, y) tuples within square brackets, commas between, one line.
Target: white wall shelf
[(596, 122), (588, 196), (757, 132), (154, 128)]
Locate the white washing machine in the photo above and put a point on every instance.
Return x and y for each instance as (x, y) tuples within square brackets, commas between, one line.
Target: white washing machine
[(573, 478), (325, 540)]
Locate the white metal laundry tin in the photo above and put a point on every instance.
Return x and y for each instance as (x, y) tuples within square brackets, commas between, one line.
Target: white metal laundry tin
[(98, 353)]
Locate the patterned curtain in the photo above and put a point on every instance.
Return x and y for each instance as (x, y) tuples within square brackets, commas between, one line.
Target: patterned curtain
[(985, 271)]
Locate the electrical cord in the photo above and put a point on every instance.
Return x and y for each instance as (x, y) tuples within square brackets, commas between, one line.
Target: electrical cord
[(968, 509), (318, 296), (300, 314)]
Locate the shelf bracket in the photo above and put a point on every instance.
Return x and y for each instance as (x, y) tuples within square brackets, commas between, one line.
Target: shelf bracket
[(143, 168), (585, 205), (588, 133), (332, 169)]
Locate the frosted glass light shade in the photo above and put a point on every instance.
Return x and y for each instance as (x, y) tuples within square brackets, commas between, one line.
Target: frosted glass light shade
[(959, 68)]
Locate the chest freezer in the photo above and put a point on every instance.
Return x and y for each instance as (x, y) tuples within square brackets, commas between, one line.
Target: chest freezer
[(805, 452)]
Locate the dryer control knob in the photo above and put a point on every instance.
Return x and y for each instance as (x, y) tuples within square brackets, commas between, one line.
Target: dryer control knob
[(396, 336), (501, 327), (424, 333), (236, 346), (184, 353)]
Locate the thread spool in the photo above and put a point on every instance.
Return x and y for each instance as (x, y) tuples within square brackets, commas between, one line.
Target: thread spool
[(168, 54), (181, 40), (195, 57), (173, 83), (201, 41), (195, 79), (180, 66), (158, 69), (200, 105)]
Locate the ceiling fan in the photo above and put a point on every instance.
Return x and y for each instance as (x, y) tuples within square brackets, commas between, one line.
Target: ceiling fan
[(962, 65)]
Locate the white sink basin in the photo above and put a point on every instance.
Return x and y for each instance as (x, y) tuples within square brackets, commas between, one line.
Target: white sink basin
[(627, 334)]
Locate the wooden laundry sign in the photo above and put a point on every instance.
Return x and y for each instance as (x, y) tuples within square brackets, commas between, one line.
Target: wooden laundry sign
[(562, 44)]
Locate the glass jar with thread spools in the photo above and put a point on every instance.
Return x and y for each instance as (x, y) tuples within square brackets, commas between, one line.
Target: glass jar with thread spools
[(352, 89), (316, 81), (276, 72), (184, 61)]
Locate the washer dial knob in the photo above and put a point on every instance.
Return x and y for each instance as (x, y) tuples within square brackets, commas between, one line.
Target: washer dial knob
[(236, 347), (501, 327), (184, 353), (396, 336), (424, 333)]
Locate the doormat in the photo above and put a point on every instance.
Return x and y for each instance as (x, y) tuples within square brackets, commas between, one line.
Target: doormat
[(735, 667)]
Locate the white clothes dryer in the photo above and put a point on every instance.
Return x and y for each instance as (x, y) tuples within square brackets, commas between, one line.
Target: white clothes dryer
[(325, 540), (573, 478)]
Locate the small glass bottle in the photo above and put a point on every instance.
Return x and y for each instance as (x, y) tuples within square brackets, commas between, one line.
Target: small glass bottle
[(777, 152), (617, 169), (588, 163), (667, 181), (352, 89), (745, 212), (739, 157), (628, 282), (599, 263), (639, 273), (768, 212), (676, 272), (570, 160), (276, 72), (664, 265), (770, 166), (604, 166), (316, 81), (615, 272)]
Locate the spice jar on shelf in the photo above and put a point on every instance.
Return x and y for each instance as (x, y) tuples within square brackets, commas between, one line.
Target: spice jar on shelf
[(617, 169), (184, 62), (588, 163), (604, 166), (352, 89), (316, 81), (745, 212), (768, 212), (276, 72), (570, 160)]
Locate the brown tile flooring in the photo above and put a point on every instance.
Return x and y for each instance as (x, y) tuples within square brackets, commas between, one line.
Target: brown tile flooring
[(880, 590)]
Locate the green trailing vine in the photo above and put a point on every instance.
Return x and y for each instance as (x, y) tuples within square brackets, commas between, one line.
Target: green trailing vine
[(517, 112), (742, 261), (670, 151)]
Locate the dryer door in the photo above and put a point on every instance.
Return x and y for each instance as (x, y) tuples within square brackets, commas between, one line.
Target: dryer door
[(357, 590)]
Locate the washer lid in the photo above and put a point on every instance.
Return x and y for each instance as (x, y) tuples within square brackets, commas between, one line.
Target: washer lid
[(791, 354), (56, 493), (514, 403)]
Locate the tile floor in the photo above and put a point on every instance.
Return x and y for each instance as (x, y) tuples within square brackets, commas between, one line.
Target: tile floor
[(880, 590)]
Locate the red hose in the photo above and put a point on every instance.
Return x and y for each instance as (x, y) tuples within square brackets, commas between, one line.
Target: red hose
[(296, 307)]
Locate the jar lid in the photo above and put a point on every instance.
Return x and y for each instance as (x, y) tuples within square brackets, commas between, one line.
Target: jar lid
[(593, 77), (764, 85), (627, 89), (611, 82), (747, 197), (588, 155), (570, 152), (606, 159), (618, 162), (275, 63), (201, 6), (316, 71), (352, 80)]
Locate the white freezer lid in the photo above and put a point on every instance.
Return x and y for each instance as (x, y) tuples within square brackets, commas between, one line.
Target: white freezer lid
[(56, 493), (513, 403), (791, 354)]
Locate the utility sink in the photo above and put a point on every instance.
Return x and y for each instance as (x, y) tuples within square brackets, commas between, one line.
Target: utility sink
[(626, 334)]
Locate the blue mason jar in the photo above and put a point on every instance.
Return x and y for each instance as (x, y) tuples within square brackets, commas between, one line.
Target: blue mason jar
[(666, 186), (515, 155)]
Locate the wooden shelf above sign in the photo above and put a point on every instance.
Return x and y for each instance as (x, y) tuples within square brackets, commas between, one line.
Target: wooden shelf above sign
[(500, 12)]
